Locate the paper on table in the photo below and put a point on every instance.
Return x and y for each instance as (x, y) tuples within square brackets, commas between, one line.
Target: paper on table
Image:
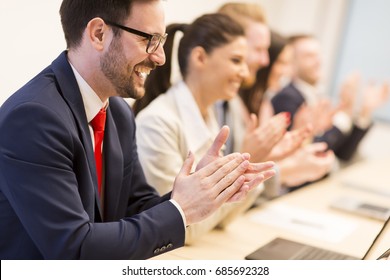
[(321, 226)]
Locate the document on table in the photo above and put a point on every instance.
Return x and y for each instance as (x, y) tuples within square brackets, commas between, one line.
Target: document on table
[(327, 227)]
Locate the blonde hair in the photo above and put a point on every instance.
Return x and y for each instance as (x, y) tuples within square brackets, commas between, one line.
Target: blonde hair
[(244, 12)]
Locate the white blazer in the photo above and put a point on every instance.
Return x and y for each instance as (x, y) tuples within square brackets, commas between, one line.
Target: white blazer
[(167, 130)]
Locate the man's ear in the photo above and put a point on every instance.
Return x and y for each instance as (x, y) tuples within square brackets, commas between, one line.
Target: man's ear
[(97, 33)]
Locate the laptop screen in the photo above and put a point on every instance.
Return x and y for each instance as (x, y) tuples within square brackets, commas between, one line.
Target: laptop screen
[(283, 249), (382, 238)]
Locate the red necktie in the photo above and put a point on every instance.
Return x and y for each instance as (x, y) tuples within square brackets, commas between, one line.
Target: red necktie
[(97, 124)]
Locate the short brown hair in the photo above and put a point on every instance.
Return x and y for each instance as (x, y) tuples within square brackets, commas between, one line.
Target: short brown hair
[(75, 15), (297, 37), (244, 12)]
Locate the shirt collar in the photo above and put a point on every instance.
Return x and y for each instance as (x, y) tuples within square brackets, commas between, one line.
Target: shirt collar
[(198, 131), (310, 93), (92, 102)]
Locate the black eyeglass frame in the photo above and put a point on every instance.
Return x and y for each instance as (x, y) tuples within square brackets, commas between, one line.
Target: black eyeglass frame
[(161, 38)]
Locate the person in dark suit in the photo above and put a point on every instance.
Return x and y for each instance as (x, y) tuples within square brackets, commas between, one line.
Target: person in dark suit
[(56, 200), (338, 126)]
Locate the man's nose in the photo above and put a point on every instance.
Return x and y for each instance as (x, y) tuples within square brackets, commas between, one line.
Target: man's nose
[(158, 56)]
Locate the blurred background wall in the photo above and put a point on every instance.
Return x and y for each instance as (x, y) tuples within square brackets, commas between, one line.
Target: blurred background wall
[(353, 34), (32, 35)]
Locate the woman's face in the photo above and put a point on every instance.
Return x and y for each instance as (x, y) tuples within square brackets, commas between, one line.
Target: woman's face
[(281, 69), (225, 69)]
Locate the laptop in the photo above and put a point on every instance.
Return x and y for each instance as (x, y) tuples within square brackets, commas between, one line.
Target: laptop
[(284, 249), (361, 207)]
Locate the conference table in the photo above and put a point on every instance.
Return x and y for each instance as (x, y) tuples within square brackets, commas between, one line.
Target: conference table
[(305, 216)]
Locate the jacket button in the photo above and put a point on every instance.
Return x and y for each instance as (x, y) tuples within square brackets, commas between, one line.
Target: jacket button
[(170, 246), (157, 251)]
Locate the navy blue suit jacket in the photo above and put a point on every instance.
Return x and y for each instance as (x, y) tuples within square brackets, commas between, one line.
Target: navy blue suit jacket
[(289, 99), (49, 207)]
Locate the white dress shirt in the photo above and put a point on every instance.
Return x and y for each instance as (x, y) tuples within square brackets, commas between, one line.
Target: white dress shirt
[(93, 104)]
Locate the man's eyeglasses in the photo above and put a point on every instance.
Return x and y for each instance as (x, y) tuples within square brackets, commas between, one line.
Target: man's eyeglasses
[(154, 40)]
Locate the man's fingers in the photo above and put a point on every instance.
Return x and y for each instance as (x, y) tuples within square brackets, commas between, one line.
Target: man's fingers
[(228, 174), (187, 165), (253, 176), (239, 195), (248, 186), (260, 167), (251, 180), (223, 163), (232, 192), (268, 174)]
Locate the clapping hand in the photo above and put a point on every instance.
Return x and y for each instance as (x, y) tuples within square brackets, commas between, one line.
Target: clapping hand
[(217, 179)]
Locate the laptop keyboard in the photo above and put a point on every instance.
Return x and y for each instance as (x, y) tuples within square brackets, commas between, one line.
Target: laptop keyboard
[(311, 253), (283, 249)]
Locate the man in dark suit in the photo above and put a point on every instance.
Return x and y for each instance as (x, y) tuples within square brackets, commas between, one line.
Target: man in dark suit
[(56, 201), (339, 129)]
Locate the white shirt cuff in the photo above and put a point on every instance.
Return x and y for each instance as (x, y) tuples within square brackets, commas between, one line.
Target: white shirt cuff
[(343, 122), (181, 211), (363, 122)]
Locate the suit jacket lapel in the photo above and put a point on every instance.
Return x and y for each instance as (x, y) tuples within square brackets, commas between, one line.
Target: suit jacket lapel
[(113, 161), (71, 94)]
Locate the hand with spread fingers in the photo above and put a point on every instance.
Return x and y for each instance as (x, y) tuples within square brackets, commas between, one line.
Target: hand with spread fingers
[(308, 164), (374, 96), (319, 116), (290, 143), (216, 180), (259, 140)]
